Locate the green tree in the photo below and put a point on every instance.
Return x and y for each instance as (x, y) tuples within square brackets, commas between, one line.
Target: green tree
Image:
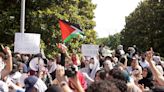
[(111, 41), (144, 26), (42, 17)]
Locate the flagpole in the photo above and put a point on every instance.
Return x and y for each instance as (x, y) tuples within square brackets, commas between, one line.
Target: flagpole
[(22, 21)]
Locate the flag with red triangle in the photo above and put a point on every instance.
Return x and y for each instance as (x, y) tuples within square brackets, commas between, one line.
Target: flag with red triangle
[(69, 30)]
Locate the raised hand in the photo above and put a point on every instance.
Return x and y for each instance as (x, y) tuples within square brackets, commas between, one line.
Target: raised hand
[(7, 51), (149, 55), (62, 47)]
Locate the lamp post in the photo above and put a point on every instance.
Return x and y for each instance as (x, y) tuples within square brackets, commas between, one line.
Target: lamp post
[(22, 21)]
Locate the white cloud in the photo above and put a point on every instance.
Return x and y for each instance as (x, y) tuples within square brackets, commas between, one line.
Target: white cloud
[(110, 15)]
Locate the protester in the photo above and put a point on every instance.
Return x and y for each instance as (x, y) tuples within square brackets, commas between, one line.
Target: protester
[(108, 64), (157, 75), (143, 63), (34, 84), (100, 75), (147, 79), (135, 69), (66, 72)]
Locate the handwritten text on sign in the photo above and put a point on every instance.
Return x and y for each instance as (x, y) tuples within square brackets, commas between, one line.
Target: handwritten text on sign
[(27, 43)]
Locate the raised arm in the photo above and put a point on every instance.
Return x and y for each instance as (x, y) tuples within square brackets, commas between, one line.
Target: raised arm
[(8, 67), (158, 76)]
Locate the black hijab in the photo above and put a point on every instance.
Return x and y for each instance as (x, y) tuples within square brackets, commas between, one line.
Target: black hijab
[(147, 81)]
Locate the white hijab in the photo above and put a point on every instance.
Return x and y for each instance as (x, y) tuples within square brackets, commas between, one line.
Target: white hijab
[(95, 68)]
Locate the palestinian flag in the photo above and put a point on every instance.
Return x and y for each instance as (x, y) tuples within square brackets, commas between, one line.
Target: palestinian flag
[(69, 30)]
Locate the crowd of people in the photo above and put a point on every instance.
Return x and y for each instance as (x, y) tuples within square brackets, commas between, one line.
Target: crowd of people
[(118, 71)]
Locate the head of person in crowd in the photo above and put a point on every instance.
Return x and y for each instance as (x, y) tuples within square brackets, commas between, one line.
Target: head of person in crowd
[(100, 75), (18, 57), (94, 66), (108, 63), (103, 86), (101, 47), (68, 62), (120, 84), (15, 68), (21, 67), (136, 69), (117, 73), (82, 61), (86, 63), (25, 58), (147, 73), (75, 58), (131, 51), (147, 79), (91, 63), (134, 63), (34, 84), (143, 56), (121, 49)]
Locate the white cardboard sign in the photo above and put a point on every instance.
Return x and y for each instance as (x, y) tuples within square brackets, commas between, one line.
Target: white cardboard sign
[(90, 50), (27, 43)]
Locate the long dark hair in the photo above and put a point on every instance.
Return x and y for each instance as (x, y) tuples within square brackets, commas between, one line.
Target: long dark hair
[(149, 74)]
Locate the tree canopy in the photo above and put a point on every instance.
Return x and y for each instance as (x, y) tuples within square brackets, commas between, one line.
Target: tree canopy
[(144, 26), (42, 17), (111, 41)]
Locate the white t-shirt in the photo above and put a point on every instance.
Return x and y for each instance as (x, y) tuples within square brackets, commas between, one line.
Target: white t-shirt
[(15, 77), (144, 64)]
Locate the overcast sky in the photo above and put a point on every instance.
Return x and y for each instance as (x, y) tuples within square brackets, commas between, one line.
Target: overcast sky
[(110, 15)]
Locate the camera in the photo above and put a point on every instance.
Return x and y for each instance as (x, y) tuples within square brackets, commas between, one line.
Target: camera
[(70, 71)]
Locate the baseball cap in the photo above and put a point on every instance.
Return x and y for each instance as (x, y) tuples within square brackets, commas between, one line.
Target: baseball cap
[(30, 82)]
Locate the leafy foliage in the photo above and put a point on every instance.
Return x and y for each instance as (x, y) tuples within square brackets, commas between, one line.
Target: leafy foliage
[(144, 27), (111, 41), (42, 17)]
